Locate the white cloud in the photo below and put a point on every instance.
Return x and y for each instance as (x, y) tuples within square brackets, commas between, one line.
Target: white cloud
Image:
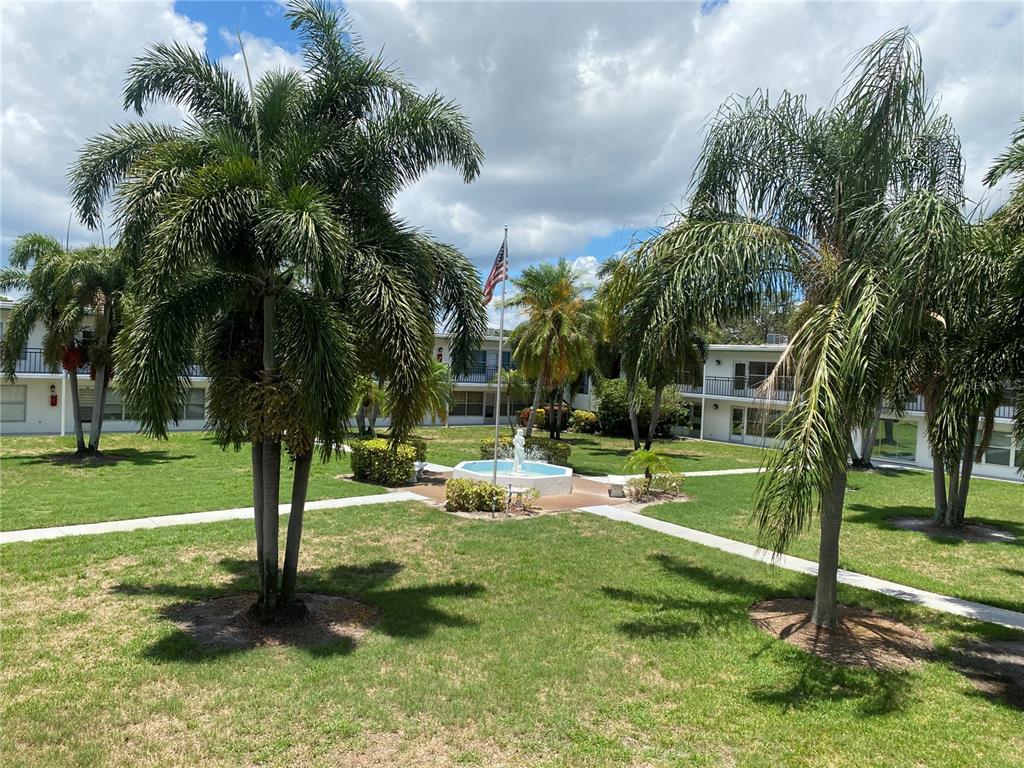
[(590, 114), (62, 71)]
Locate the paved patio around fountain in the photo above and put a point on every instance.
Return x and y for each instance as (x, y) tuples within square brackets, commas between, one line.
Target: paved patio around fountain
[(585, 493)]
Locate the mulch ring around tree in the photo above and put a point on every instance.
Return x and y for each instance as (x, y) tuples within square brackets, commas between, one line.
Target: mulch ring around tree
[(226, 623), (994, 667), (967, 532), (861, 639)]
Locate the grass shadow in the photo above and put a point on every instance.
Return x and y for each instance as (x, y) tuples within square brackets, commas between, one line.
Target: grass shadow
[(811, 682), (883, 517), (406, 611), (132, 456)]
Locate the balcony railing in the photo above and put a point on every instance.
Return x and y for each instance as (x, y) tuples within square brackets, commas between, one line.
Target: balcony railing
[(691, 389), (480, 374), (31, 361), (742, 386), (1003, 411)]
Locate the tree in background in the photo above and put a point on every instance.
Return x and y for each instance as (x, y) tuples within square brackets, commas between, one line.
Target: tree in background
[(62, 287), (556, 338), (262, 234), (857, 205)]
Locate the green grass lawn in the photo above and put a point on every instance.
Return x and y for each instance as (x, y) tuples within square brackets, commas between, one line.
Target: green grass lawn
[(557, 641), (595, 454), (989, 572), (186, 473)]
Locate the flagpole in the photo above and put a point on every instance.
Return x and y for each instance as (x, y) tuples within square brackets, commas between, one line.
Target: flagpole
[(501, 341)]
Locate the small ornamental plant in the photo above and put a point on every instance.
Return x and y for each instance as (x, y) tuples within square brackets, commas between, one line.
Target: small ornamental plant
[(464, 495)]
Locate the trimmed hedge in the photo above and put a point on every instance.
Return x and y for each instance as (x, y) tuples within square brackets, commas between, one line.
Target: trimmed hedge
[(375, 461), (583, 421), (552, 451), (464, 495)]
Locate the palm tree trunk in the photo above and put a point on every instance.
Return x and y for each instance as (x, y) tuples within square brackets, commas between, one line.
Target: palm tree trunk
[(97, 414), (551, 414), (558, 414), (655, 412), (257, 505), (939, 488), (76, 412), (291, 551), (826, 607), (953, 494), (533, 409), (634, 423), (374, 413), (361, 418), (867, 440), (967, 469), (271, 468)]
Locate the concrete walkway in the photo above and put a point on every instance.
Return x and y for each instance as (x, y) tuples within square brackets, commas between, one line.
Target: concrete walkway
[(935, 601), (163, 521)]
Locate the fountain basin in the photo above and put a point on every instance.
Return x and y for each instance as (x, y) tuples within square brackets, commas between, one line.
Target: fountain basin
[(546, 479)]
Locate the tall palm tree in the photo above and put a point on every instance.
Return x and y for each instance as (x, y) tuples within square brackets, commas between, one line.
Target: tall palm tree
[(263, 242), (555, 339), (858, 206), (61, 286), (619, 277)]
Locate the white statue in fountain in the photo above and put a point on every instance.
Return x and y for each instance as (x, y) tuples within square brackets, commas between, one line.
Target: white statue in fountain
[(518, 452)]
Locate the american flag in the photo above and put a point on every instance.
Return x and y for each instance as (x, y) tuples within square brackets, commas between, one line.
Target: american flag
[(499, 272)]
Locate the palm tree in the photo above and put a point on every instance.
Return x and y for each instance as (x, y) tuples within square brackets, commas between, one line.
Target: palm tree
[(263, 242), (555, 339), (619, 276), (858, 206), (516, 386), (61, 287)]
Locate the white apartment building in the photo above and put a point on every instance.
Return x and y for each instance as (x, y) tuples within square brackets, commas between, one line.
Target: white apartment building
[(730, 407), (38, 401)]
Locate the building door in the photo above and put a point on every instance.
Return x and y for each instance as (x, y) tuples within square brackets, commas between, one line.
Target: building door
[(736, 429), (739, 380)]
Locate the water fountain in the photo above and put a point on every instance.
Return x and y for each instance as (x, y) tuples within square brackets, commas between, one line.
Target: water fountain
[(520, 470)]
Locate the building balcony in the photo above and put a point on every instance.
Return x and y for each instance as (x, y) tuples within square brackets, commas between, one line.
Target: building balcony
[(1003, 411), (748, 388), (31, 361), (479, 374), (691, 389)]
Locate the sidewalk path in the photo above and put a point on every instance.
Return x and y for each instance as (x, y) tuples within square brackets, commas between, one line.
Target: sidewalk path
[(933, 600), (162, 521)]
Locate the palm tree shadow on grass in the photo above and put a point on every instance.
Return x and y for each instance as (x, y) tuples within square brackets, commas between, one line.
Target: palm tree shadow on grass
[(882, 518), (403, 611), (107, 458), (669, 616)]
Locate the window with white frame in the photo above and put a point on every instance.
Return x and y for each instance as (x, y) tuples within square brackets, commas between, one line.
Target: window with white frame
[(195, 407), (468, 404), (13, 402)]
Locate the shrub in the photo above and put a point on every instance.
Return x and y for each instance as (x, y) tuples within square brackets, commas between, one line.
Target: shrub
[(664, 484), (583, 421), (376, 461), (539, 422), (647, 463), (464, 495), (613, 408), (552, 451), (419, 445)]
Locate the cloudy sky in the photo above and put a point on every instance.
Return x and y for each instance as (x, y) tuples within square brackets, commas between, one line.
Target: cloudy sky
[(590, 113)]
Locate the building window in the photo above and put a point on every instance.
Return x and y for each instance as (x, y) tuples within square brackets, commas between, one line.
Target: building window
[(897, 439), (13, 402), (113, 408), (999, 447), (737, 423), (195, 408), (762, 423), (758, 372), (468, 404)]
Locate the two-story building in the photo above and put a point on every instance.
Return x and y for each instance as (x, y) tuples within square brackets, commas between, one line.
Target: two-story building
[(731, 406), (38, 401)]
